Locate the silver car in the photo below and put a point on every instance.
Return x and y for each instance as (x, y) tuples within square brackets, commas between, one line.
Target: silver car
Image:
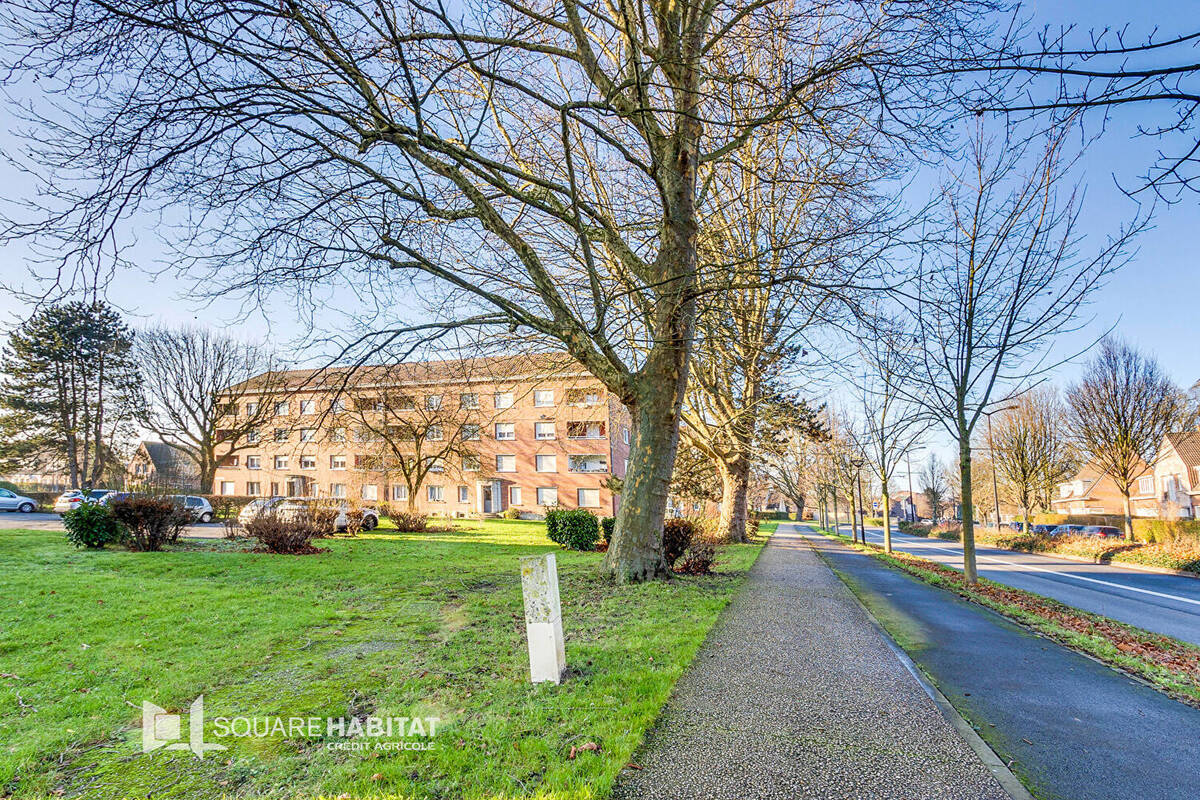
[(11, 501), (293, 507), (70, 499), (200, 508)]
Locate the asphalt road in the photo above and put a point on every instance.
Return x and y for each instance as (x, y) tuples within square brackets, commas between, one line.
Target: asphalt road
[(39, 521), (1072, 727), (1167, 604)]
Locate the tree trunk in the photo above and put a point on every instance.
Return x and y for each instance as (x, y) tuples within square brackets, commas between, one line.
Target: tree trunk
[(635, 550), (887, 520), (968, 510), (1128, 516), (735, 488)]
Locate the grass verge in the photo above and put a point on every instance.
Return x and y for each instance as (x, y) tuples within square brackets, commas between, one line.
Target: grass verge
[(1166, 663), (384, 624)]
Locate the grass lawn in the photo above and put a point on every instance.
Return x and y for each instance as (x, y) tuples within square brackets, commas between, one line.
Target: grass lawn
[(386, 624)]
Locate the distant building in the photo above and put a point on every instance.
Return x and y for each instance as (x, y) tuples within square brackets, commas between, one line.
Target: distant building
[(1092, 492), (1173, 490), (160, 465)]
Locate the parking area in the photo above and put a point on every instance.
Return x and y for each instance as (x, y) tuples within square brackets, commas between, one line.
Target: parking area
[(53, 522)]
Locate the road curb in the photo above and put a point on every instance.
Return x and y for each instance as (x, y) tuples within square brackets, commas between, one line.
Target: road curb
[(1000, 771)]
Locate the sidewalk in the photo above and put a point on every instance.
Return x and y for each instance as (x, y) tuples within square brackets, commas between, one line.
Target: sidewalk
[(1070, 726), (795, 694)]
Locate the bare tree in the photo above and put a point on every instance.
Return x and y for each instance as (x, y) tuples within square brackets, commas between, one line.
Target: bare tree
[(892, 423), (1119, 413), (934, 486), (529, 167), (202, 391), (1002, 275), (1030, 448), (795, 467)]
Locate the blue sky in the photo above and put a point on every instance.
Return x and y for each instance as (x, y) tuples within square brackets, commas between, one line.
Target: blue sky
[(1152, 302)]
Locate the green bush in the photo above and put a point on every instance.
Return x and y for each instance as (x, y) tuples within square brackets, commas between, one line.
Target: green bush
[(1165, 530), (874, 522), (91, 525), (678, 533), (576, 529), (511, 513), (606, 528), (149, 522)]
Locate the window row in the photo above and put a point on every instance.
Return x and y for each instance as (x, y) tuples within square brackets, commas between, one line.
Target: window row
[(502, 431), (542, 398), (505, 462), (434, 493)]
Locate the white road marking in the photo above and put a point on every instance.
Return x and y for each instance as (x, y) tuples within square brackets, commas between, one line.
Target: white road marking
[(958, 553)]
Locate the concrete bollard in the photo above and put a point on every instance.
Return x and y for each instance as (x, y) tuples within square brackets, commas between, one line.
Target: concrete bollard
[(543, 619)]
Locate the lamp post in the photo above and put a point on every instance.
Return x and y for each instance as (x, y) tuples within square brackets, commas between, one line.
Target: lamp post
[(992, 456), (836, 529), (856, 508)]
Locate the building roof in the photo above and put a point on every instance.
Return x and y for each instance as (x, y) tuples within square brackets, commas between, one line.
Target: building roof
[(1187, 445), (462, 370), (168, 461)]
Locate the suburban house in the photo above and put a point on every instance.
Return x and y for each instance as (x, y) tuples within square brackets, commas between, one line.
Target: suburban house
[(1175, 485), (1092, 492), (158, 464), (520, 432)]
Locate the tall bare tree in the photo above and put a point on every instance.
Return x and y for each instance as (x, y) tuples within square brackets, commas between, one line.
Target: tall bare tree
[(202, 391), (935, 486), (1001, 276), (1031, 449), (530, 166), (1119, 413)]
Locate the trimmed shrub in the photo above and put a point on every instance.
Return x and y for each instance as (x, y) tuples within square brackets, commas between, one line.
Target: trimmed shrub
[(1165, 530), (291, 536), (950, 531), (91, 525), (606, 528), (410, 521), (553, 515), (875, 522), (677, 535), (150, 522), (575, 529), (511, 513), (697, 560)]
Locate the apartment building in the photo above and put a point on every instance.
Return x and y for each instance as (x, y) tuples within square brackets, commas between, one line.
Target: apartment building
[(454, 438)]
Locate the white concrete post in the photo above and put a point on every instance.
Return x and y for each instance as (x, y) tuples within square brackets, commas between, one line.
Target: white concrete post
[(543, 619)]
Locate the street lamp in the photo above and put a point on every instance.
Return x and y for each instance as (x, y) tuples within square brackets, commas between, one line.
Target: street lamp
[(856, 513), (992, 456)]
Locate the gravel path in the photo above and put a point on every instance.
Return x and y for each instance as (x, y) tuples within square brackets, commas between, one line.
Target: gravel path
[(795, 694)]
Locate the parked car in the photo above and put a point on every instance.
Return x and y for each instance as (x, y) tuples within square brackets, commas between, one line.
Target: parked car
[(292, 507), (1102, 531), (1067, 530), (70, 499), (201, 509), (1015, 525), (11, 501), (1043, 530), (257, 507)]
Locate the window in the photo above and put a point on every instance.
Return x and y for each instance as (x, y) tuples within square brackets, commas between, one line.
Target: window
[(368, 404), (514, 495), (308, 434), (281, 434), (547, 496), (227, 487), (251, 409), (468, 400), (308, 462), (253, 488), (470, 463), (585, 430), (589, 498), (506, 463), (588, 463), (227, 461), (547, 463), (504, 399), (436, 494), (281, 462), (399, 492), (434, 433), (433, 402), (583, 397), (462, 494), (402, 402), (543, 430), (253, 462), (337, 462), (251, 437), (281, 408), (336, 406), (437, 465), (1146, 484), (337, 490), (337, 435), (543, 398), (370, 491), (625, 435), (506, 430), (308, 406), (470, 433)]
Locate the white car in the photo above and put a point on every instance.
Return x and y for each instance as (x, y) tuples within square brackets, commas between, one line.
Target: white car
[(11, 501), (294, 506), (257, 507), (71, 499)]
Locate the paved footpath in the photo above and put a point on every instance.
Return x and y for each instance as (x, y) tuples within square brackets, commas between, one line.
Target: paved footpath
[(1073, 728), (796, 694)]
